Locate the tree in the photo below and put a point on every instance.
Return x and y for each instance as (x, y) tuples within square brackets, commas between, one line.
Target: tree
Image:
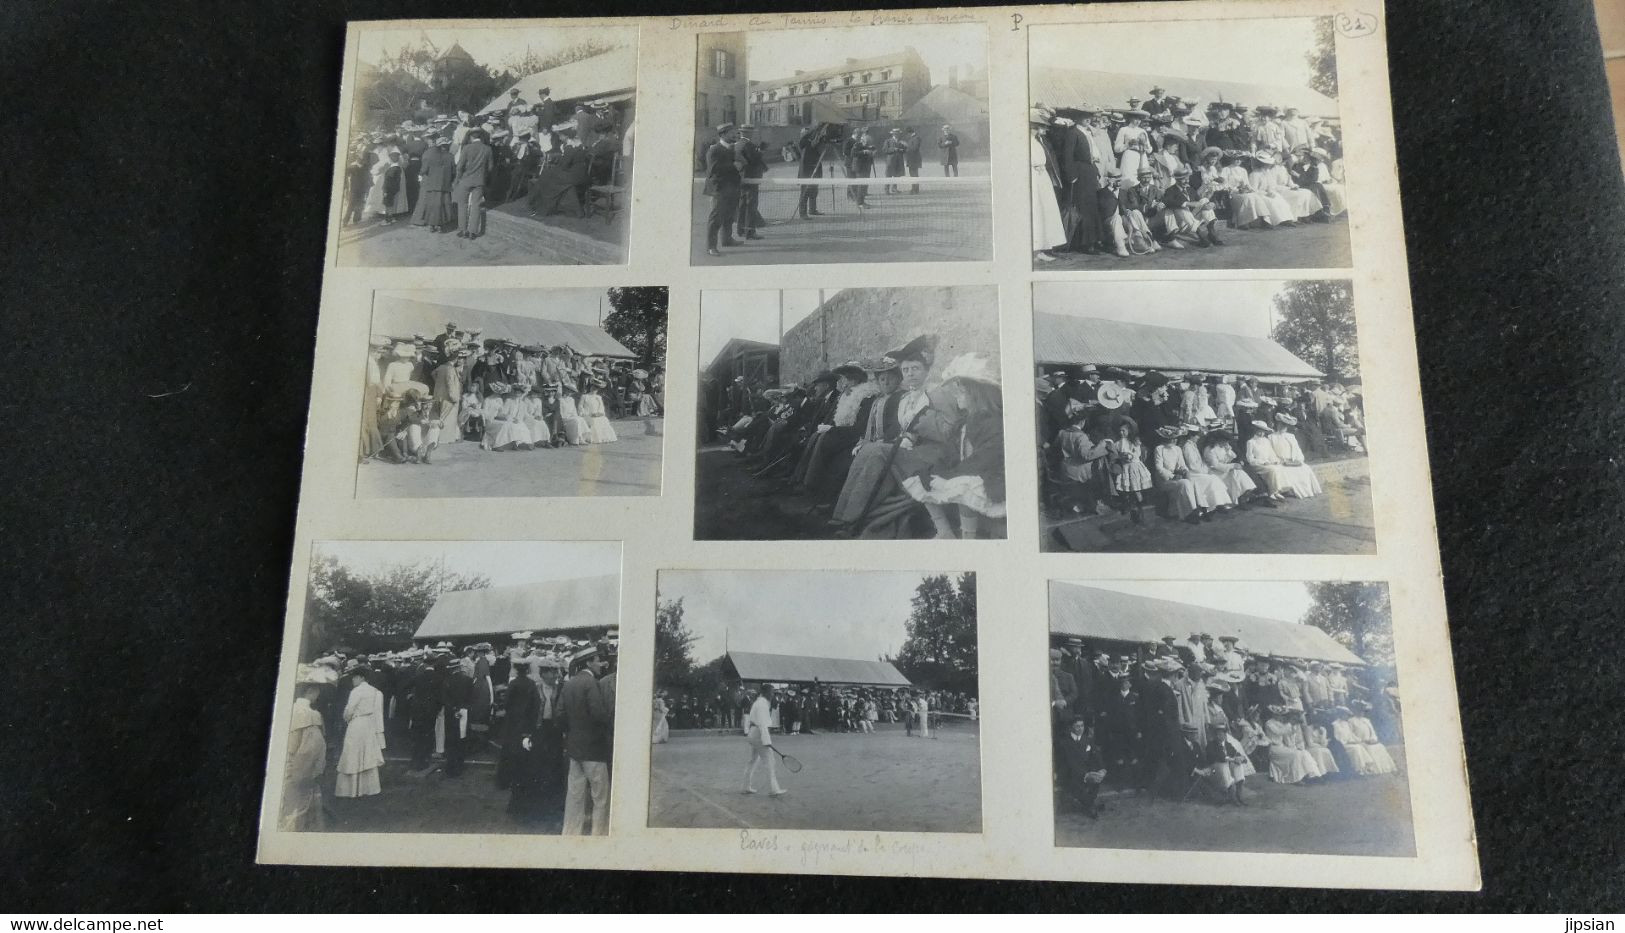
[(1357, 615), (1316, 322), (674, 663), (939, 651), (1322, 58), (639, 321), (532, 62), (378, 609)]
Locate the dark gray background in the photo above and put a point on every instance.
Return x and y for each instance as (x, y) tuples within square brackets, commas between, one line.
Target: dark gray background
[(166, 219)]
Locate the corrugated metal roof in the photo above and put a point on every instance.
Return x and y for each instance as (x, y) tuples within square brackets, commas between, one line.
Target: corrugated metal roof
[(1063, 338), (1067, 87), (797, 669), (602, 76), (550, 606), (1088, 612), (394, 316)]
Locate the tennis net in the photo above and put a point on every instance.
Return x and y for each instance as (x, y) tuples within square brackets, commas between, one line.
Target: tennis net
[(954, 725)]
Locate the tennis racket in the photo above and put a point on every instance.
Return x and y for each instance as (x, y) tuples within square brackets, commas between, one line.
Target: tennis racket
[(792, 764)]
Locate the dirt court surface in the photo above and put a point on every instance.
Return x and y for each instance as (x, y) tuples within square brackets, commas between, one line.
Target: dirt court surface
[(628, 467), (884, 781), (373, 243), (1312, 246), (941, 223), (433, 803), (1338, 521), (1358, 816)]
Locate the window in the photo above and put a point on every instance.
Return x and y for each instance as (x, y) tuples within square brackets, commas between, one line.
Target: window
[(823, 85), (846, 80), (730, 110), (880, 98), (806, 89), (702, 109), (722, 63), (867, 75), (885, 75)]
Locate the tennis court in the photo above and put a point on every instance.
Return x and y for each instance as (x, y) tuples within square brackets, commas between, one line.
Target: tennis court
[(944, 220), (883, 781)]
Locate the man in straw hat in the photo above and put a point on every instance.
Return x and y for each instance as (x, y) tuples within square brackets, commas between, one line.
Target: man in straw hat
[(587, 725), (722, 183)]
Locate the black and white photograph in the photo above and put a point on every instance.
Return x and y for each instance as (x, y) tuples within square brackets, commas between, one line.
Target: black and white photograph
[(850, 413), (454, 687), (816, 700), (490, 146), (500, 393), (1205, 417), (856, 144), (1227, 717), (1213, 144)]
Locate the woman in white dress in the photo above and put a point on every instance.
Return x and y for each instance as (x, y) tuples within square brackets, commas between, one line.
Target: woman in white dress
[(1300, 479), (1366, 735), (1305, 203), (1263, 461), (1337, 201), (505, 419), (1133, 145), (1168, 468), (1218, 459), (1321, 749), (535, 418), (662, 729), (575, 426), (1276, 209), (1359, 759), (1290, 762), (599, 430), (363, 753), (1049, 231), (1247, 207)]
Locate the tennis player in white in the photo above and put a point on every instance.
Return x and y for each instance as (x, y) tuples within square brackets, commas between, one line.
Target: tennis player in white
[(758, 730)]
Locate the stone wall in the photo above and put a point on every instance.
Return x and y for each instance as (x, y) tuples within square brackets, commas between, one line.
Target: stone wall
[(863, 323)]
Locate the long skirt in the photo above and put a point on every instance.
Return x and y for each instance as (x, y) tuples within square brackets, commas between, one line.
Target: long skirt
[(576, 431), (1290, 765), (1236, 481), (359, 784), (1277, 209), (966, 491), (646, 405), (500, 434), (1337, 201), (433, 210), (1304, 202), (867, 474), (538, 430), (662, 730), (1049, 232), (1250, 206), (1381, 761), (599, 430), (1323, 759)]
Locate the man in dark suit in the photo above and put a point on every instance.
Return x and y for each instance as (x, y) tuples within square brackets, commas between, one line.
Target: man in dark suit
[(1080, 766), (1063, 692), (1082, 181), (587, 722), (722, 183), (911, 156), (474, 163), (810, 164), (752, 166), (456, 695)]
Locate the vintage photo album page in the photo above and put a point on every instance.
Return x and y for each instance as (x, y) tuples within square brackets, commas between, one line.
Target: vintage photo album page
[(979, 442)]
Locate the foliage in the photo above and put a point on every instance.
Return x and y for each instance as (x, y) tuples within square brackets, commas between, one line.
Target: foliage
[(1323, 58), (939, 651), (674, 662), (639, 322), (1316, 322), (378, 609), (1357, 615), (519, 66), (415, 77)]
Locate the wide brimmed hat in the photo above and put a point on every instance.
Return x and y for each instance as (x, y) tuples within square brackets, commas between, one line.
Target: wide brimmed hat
[(852, 369), (1285, 418), (1231, 677), (1193, 121), (1263, 157), (1182, 172), (1136, 112), (1040, 116), (1170, 431), (1246, 403), (920, 350), (1112, 396), (975, 367), (1259, 425), (497, 388), (826, 376), (639, 374), (1210, 152)]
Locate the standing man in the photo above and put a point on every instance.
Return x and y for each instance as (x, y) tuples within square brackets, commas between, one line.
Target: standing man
[(758, 731), (810, 164), (752, 166), (722, 183), (895, 151), (948, 145), (586, 743), (448, 389), (911, 157), (468, 187), (456, 695)]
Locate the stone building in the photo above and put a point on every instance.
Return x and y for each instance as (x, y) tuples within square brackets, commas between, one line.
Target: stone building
[(719, 83), (863, 323), (862, 90)]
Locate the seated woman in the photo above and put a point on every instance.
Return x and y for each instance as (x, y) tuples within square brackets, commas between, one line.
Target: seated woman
[(1277, 210), (505, 419), (973, 482), (1300, 478), (576, 430), (535, 418), (1366, 734), (830, 451), (1290, 762), (912, 435), (1263, 462), (1320, 747), (1213, 457), (1360, 760), (1192, 494), (1305, 203), (562, 183), (599, 430)]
